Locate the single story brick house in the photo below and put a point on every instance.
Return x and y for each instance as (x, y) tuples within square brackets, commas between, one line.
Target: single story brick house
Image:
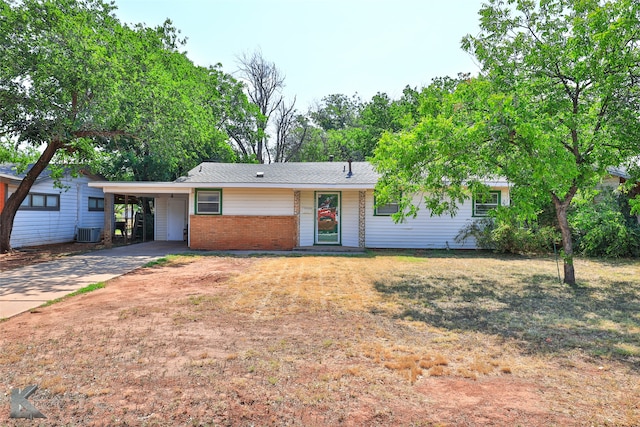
[(54, 213), (281, 206)]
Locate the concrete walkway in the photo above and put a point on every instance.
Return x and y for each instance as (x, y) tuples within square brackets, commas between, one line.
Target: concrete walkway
[(25, 288)]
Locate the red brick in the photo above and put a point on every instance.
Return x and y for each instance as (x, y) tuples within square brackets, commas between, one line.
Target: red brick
[(235, 232), (3, 194)]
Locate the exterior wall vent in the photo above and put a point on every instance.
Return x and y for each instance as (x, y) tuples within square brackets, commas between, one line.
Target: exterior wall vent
[(260, 174)]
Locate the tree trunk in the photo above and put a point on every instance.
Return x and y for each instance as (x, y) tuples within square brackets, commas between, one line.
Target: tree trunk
[(259, 153), (8, 214), (567, 241)]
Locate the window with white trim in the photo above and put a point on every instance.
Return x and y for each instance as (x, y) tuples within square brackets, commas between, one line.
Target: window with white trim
[(483, 205), (209, 202)]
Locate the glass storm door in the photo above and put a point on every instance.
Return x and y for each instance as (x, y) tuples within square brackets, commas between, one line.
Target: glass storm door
[(328, 218)]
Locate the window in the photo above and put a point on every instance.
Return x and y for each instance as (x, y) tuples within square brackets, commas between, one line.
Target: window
[(386, 209), (482, 206), (209, 202), (41, 202), (96, 204)]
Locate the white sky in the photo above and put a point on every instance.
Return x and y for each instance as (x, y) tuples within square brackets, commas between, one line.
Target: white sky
[(325, 46)]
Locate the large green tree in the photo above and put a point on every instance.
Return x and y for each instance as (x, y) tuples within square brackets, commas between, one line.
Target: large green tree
[(76, 83), (177, 119), (346, 127), (556, 103)]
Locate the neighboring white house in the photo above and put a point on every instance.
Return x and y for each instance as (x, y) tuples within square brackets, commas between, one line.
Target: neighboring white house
[(52, 214), (280, 206)]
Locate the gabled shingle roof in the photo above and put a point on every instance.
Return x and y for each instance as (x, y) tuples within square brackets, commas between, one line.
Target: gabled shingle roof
[(8, 171), (317, 173), (620, 172)]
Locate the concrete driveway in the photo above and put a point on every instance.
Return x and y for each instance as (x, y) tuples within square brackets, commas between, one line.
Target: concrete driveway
[(25, 288)]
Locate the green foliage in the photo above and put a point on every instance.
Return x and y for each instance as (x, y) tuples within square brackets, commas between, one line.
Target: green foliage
[(603, 227), (348, 128), (160, 262), (77, 86), (504, 233), (556, 104), (122, 96), (191, 123), (601, 222), (439, 156), (634, 205), (336, 112), (85, 290)]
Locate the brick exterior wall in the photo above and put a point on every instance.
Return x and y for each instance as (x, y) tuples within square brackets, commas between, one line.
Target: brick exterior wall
[(234, 232)]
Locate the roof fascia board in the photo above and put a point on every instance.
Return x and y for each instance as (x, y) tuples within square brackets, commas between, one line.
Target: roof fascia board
[(175, 187)]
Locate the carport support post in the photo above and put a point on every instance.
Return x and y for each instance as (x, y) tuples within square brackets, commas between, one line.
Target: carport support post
[(108, 219), (126, 219)]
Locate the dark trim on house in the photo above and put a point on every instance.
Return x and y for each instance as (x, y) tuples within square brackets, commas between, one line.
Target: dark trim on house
[(487, 205), (48, 203)]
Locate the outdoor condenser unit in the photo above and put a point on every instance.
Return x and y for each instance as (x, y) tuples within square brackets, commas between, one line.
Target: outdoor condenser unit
[(88, 234)]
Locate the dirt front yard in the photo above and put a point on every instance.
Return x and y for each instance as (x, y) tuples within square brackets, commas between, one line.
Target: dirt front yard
[(322, 341), (22, 257)]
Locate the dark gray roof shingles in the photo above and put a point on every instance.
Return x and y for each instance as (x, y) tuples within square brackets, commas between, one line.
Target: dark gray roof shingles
[(320, 173), (9, 170)]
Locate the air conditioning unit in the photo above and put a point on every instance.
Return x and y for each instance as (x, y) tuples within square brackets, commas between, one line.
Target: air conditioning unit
[(88, 234)]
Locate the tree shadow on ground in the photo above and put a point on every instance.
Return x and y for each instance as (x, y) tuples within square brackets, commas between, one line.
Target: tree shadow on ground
[(541, 314)]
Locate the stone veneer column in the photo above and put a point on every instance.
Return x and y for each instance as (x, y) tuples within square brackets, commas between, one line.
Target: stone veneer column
[(296, 213), (362, 213)]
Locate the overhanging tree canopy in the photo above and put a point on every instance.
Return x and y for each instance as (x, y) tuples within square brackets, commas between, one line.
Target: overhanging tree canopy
[(557, 102), (74, 82)]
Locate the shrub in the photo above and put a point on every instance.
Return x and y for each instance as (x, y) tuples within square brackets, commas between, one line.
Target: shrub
[(603, 227), (505, 234)]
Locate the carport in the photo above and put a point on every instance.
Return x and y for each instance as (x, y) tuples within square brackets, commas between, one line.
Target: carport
[(170, 209)]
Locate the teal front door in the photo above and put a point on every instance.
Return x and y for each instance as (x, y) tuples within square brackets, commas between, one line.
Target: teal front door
[(327, 218)]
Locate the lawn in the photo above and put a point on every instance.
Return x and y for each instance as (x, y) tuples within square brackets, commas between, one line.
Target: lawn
[(432, 338)]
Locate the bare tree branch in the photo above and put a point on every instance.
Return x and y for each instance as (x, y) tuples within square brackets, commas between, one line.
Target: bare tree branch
[(264, 83)]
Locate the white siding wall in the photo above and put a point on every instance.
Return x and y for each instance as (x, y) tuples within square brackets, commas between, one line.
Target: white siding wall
[(161, 211), (307, 218), (381, 232), (350, 201), (238, 201), (424, 231), (348, 218), (32, 227), (88, 218), (242, 201), (611, 182)]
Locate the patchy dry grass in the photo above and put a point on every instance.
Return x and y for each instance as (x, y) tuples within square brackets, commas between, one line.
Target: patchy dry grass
[(482, 315), (521, 300), (385, 339)]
